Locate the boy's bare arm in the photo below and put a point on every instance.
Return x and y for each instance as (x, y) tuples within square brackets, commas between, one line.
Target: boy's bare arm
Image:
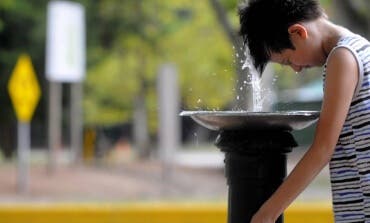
[(340, 84)]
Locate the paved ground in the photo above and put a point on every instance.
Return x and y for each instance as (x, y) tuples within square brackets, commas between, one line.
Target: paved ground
[(135, 180), (129, 181)]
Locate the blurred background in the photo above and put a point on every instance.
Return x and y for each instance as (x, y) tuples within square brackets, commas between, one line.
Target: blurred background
[(129, 44)]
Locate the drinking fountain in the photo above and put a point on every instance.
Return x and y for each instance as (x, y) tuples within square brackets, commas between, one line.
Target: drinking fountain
[(255, 145)]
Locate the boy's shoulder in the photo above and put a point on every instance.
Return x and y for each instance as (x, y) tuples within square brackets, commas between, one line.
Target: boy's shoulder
[(354, 40), (356, 44)]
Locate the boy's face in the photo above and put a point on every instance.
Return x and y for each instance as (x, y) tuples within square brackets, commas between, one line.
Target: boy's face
[(307, 52), (296, 59)]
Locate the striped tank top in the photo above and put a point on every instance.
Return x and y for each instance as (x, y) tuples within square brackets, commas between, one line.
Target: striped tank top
[(350, 164)]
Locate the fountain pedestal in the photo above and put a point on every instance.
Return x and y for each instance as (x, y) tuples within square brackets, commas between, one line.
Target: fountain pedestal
[(255, 166), (256, 145)]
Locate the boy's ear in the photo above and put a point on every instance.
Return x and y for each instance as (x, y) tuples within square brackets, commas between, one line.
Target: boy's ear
[(298, 29)]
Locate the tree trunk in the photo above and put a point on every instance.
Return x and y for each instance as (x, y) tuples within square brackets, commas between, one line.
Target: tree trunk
[(141, 134), (244, 97)]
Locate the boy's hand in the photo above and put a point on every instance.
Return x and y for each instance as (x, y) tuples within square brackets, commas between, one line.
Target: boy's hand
[(262, 217)]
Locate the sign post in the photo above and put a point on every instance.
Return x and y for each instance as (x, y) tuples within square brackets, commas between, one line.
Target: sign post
[(24, 93), (65, 63)]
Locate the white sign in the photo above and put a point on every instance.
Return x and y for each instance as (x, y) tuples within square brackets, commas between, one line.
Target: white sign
[(65, 44)]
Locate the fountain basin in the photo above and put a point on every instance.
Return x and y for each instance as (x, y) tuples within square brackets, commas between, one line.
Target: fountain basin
[(234, 120)]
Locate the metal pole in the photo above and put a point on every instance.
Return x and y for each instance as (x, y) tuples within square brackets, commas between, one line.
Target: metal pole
[(55, 102), (24, 145), (76, 121), (169, 123)]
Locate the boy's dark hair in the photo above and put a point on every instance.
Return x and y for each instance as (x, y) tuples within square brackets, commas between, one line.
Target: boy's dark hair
[(264, 25)]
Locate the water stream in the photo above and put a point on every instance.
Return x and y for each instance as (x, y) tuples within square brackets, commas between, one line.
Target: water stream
[(255, 83)]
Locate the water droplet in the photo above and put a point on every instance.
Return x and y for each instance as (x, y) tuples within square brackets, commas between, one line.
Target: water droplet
[(237, 55), (199, 101), (237, 97), (196, 139)]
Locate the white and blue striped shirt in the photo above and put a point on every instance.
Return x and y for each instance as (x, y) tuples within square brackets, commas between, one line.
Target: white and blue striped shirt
[(350, 164)]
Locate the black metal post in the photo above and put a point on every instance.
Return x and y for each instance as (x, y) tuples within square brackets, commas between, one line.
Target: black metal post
[(255, 165)]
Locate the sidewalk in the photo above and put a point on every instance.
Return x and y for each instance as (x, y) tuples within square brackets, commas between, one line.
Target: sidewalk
[(196, 176), (129, 181), (318, 190)]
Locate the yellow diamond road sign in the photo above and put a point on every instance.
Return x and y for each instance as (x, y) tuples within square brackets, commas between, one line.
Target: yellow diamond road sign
[(24, 89)]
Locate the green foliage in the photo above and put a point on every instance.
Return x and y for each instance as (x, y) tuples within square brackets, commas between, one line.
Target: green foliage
[(204, 57), (326, 3), (135, 38), (127, 41)]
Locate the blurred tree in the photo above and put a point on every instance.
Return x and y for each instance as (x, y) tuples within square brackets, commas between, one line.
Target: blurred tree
[(133, 39), (126, 43), (354, 14), (242, 91)]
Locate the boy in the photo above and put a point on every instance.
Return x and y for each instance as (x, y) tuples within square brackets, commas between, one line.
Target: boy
[(297, 33)]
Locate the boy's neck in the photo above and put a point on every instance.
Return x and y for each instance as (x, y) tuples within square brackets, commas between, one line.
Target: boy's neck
[(332, 34)]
